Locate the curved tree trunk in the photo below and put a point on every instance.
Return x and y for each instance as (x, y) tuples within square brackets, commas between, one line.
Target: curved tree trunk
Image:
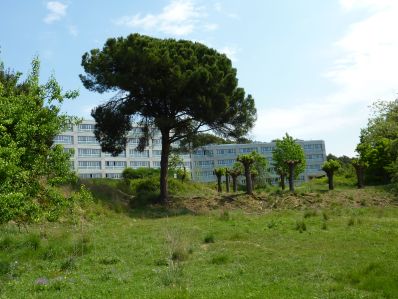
[(164, 165), (226, 181), (249, 187), (234, 183), (291, 176), (219, 187)]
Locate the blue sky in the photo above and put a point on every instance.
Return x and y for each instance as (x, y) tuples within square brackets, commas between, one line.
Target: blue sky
[(313, 67)]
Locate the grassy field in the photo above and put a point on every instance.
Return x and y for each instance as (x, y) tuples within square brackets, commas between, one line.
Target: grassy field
[(340, 244)]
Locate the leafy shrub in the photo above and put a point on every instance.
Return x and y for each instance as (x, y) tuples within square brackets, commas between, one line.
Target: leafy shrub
[(6, 243), (179, 254), (300, 226), (5, 267), (271, 224), (140, 173), (220, 259), (68, 264), (209, 238)]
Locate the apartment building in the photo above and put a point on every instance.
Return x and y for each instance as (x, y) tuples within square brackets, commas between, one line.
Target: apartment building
[(90, 162)]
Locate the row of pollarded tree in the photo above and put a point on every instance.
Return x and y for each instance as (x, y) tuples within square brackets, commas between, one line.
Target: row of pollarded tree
[(333, 165), (250, 165), (288, 161)]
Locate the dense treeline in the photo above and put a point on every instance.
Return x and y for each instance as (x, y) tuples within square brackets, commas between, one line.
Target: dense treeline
[(378, 146)]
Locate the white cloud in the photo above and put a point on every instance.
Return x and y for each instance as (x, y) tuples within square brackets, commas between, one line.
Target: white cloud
[(73, 30), (364, 72), (179, 17), (217, 6), (210, 27), (57, 11)]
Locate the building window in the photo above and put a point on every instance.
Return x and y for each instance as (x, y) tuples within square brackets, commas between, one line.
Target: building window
[(89, 164), (86, 140), (206, 174), (63, 139), (156, 164), (156, 141), (226, 151), (113, 175), (121, 155), (138, 164), (226, 162), (156, 152), (267, 149), (315, 157), (86, 127), (136, 153), (208, 163), (247, 150), (115, 164), (203, 152), (134, 140), (89, 152), (136, 131), (90, 175)]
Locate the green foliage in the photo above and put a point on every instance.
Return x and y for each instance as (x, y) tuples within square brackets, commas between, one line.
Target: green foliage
[(260, 170), (288, 159), (378, 146), (179, 86), (288, 150), (183, 174), (219, 172), (140, 173), (330, 167), (30, 166), (209, 238)]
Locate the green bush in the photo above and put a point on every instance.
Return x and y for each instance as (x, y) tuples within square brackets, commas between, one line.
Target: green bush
[(140, 173)]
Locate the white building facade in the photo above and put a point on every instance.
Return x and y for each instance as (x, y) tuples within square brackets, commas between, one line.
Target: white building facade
[(89, 161)]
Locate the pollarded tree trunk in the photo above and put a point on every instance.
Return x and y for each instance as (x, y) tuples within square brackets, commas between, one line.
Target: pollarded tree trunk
[(226, 180), (360, 172), (234, 183), (219, 187), (330, 175), (164, 164), (291, 176), (249, 186)]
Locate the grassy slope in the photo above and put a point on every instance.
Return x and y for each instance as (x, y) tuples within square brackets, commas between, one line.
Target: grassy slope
[(347, 250)]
